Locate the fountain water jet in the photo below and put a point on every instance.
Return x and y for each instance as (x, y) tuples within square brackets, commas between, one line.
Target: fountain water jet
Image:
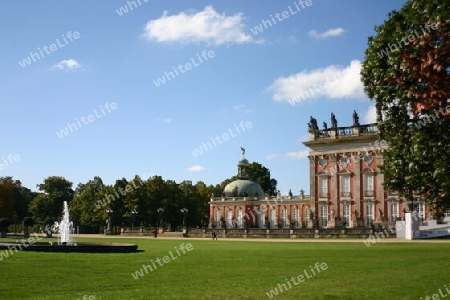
[(64, 228)]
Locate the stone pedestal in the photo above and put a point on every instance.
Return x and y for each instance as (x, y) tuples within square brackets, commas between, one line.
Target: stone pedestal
[(411, 227), (331, 224), (310, 224), (353, 224)]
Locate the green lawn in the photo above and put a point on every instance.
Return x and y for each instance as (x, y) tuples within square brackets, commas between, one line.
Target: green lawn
[(231, 270)]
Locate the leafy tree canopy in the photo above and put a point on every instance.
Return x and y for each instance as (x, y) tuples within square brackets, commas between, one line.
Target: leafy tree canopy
[(407, 71)]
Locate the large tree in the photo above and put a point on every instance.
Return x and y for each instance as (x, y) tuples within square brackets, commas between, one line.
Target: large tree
[(49, 204), (21, 197), (407, 71), (88, 207)]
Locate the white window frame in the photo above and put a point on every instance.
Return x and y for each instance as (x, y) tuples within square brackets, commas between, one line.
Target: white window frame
[(323, 186), (261, 215), (239, 218), (273, 218), (345, 185), (369, 214), (369, 183), (218, 218), (283, 217), (295, 217), (323, 215), (229, 220), (346, 214), (394, 211)]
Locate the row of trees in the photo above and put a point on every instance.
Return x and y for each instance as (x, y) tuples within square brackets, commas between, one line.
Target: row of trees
[(137, 200)]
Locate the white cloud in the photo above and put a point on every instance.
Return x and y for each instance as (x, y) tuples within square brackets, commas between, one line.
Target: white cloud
[(206, 26), (68, 64), (371, 115), (331, 82), (298, 155), (329, 33), (271, 156), (196, 168)]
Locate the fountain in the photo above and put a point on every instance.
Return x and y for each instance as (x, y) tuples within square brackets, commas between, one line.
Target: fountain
[(65, 243), (64, 228)]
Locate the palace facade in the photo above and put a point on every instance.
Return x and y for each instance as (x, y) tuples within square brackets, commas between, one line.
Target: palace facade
[(346, 187)]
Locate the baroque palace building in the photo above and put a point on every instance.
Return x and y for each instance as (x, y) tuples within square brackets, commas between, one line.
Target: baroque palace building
[(346, 187)]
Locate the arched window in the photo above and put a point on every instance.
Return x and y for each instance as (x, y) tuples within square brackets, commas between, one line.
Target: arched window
[(284, 218), (239, 218), (295, 218), (229, 219), (218, 218), (308, 214), (273, 218), (261, 218)]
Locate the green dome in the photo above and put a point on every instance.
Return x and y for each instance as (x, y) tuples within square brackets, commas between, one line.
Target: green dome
[(244, 188), (244, 161)]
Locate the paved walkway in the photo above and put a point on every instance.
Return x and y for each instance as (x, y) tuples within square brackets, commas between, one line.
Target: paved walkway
[(271, 240)]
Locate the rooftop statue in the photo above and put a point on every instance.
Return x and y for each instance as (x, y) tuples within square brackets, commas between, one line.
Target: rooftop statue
[(333, 121), (355, 118), (312, 125)]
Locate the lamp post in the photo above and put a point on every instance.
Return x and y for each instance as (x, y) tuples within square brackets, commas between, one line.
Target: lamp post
[(184, 211), (15, 224), (205, 221), (133, 213), (160, 212), (109, 211)]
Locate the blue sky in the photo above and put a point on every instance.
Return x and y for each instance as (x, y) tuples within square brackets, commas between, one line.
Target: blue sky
[(97, 101)]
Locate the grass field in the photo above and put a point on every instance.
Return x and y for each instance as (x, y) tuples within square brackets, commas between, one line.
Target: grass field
[(231, 270)]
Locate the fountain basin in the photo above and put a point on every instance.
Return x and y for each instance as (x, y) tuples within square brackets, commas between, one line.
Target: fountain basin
[(81, 247)]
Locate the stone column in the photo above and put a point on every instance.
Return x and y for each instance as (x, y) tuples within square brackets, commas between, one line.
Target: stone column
[(312, 182), (356, 192), (380, 179), (334, 190)]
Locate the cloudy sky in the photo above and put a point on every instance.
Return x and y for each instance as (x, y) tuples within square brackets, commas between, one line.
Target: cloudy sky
[(175, 88)]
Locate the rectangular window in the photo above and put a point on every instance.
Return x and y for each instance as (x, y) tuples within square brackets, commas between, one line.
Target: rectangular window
[(394, 212), (368, 185), (346, 214), (273, 219), (421, 211), (295, 218), (283, 218), (323, 192), (229, 219), (324, 215), (239, 219), (218, 218), (345, 186), (369, 214), (261, 218)]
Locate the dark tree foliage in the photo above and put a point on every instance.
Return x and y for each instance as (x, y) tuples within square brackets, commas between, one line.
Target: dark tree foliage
[(407, 71), (49, 204), (21, 196)]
